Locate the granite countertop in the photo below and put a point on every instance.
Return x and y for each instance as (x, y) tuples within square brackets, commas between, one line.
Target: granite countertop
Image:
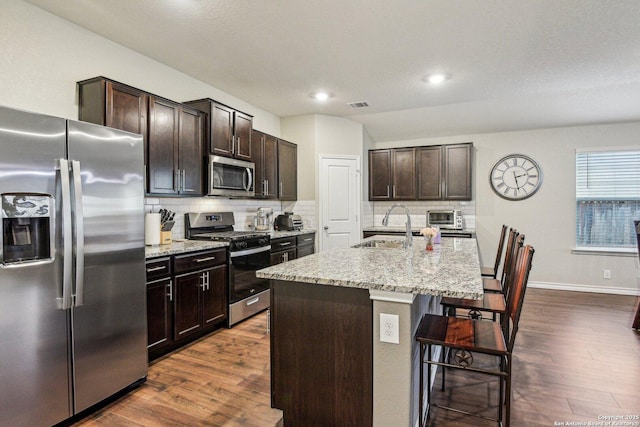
[(276, 234), (452, 269), (182, 246), (414, 230)]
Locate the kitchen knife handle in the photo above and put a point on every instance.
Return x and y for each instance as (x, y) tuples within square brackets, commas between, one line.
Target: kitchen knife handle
[(62, 166), (79, 231)]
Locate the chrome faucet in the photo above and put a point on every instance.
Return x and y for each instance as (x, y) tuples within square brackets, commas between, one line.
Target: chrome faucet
[(385, 221)]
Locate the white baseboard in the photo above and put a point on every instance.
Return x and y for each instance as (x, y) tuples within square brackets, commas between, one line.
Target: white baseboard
[(584, 288)]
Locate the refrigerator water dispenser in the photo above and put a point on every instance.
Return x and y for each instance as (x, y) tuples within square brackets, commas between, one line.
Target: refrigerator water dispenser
[(26, 228)]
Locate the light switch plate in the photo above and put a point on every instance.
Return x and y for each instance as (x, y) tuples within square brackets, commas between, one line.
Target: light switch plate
[(389, 328)]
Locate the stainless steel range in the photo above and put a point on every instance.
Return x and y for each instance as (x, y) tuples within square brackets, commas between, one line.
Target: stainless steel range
[(248, 251)]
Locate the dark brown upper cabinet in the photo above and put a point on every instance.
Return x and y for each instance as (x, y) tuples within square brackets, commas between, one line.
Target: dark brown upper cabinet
[(265, 156), (458, 165), (173, 133), (228, 130), (439, 172), (175, 159), (392, 174), (287, 170)]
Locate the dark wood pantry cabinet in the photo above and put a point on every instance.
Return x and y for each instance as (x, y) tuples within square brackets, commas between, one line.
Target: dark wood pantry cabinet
[(228, 130)]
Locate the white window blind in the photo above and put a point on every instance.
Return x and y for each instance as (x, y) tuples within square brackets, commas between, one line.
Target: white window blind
[(607, 198)]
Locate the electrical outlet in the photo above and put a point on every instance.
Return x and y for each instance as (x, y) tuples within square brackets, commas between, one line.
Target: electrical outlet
[(607, 274), (389, 328)]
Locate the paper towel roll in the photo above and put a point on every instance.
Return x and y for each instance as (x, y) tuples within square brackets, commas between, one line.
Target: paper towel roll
[(152, 229)]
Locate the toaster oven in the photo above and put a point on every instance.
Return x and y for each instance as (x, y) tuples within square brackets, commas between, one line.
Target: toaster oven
[(446, 219)]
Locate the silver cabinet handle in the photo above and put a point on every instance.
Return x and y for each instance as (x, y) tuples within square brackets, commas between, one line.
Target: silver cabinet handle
[(233, 145), (211, 258), (170, 291), (176, 184), (284, 243), (152, 269), (280, 188), (62, 165), (310, 239), (394, 191), (79, 231), (266, 183), (388, 191), (203, 283), (183, 180)]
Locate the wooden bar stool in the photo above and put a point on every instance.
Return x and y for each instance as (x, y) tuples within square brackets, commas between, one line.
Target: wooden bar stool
[(491, 302), (463, 337), (493, 272), (493, 284)]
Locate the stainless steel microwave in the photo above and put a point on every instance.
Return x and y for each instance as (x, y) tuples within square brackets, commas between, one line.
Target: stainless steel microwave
[(448, 219), (230, 177)]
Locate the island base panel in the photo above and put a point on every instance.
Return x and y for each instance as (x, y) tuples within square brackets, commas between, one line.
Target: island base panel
[(321, 354)]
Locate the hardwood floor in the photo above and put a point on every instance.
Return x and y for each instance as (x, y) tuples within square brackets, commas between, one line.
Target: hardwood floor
[(219, 380), (576, 357)]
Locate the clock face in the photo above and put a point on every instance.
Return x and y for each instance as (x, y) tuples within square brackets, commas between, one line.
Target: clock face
[(516, 177)]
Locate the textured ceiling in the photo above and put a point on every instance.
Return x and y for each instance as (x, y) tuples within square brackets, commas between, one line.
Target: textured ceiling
[(514, 64)]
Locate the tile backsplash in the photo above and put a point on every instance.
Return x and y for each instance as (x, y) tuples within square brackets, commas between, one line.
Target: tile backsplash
[(373, 212), (243, 210)]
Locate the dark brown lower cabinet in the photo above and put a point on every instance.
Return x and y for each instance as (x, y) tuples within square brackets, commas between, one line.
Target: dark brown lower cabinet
[(321, 354), (186, 298)]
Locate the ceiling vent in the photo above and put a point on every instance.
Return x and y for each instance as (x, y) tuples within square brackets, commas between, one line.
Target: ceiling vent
[(360, 104)]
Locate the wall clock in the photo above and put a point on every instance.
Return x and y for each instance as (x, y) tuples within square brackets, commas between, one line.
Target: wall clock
[(515, 177)]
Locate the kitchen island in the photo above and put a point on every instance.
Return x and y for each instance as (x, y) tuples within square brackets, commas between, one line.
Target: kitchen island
[(329, 365)]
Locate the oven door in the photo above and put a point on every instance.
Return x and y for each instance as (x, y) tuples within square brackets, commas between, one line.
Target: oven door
[(230, 177), (243, 282)]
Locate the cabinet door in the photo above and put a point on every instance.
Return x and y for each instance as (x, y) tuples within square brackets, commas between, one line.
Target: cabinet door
[(159, 314), (283, 256), (457, 171), (270, 166), (126, 108), (186, 305), (287, 170), (304, 250), (404, 174), (162, 146), (429, 163), (190, 156), (214, 297), (257, 157), (380, 175), (221, 142), (242, 128)]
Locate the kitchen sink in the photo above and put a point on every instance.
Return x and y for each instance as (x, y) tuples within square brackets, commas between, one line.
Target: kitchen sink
[(381, 244)]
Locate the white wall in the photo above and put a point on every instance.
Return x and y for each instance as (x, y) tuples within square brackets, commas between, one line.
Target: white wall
[(547, 218), (44, 56)]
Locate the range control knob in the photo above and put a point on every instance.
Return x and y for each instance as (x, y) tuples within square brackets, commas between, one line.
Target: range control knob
[(241, 245), (263, 241)]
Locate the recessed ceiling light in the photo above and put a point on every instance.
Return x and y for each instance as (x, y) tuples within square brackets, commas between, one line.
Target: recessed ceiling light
[(320, 96), (436, 79)]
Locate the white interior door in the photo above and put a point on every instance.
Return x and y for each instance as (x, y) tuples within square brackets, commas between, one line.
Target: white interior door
[(339, 201)]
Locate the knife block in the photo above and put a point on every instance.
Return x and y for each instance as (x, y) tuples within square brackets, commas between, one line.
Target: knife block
[(165, 237)]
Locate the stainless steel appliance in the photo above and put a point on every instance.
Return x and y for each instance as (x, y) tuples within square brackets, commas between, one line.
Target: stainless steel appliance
[(288, 222), (249, 251), (230, 177), (447, 219), (72, 278)]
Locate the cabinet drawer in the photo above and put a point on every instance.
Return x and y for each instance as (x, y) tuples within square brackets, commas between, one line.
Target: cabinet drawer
[(157, 268), (284, 243), (304, 251), (305, 239), (283, 256), (199, 260)]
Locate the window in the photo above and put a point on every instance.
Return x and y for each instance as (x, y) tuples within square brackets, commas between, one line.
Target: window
[(607, 198)]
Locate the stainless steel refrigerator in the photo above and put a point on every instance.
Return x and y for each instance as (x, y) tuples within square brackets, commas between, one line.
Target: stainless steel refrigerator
[(72, 284)]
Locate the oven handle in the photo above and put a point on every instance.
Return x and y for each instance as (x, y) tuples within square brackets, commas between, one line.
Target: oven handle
[(250, 251)]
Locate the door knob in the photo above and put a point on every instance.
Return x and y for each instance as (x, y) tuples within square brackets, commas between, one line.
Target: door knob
[(326, 227)]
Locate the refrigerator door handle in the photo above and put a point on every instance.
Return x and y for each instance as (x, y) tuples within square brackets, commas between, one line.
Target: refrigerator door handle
[(79, 232), (62, 166)]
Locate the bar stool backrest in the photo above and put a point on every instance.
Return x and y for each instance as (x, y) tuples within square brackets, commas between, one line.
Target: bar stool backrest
[(518, 288), (496, 265)]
